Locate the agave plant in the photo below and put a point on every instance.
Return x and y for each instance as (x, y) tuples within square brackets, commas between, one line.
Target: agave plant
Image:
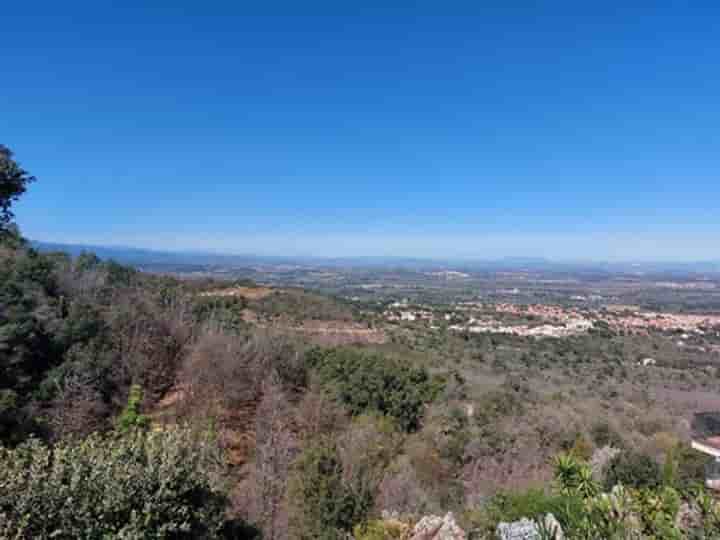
[(612, 516), (574, 477), (547, 530)]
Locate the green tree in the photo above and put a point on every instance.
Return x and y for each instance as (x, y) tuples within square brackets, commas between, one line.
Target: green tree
[(632, 469), (28, 317), (367, 382), (13, 183), (324, 506)]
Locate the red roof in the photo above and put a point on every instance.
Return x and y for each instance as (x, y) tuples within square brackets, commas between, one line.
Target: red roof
[(713, 442)]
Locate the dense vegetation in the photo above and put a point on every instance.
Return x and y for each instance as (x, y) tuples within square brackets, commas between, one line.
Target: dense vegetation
[(155, 484), (373, 383)]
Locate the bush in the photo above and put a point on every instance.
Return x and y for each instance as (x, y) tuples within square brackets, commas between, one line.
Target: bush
[(162, 484), (381, 530), (373, 383), (603, 434), (689, 467), (632, 469), (224, 311), (131, 417), (325, 508)]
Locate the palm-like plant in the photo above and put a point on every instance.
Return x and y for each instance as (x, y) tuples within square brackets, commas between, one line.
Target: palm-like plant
[(574, 477)]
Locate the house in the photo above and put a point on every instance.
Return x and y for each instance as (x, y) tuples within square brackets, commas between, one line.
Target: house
[(706, 427), (648, 362), (710, 447)]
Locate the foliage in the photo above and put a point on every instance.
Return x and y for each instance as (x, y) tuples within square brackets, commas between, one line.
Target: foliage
[(533, 503), (688, 467), (657, 510), (603, 434), (30, 341), (367, 382), (298, 306), (130, 418), (709, 513), (64, 320), (13, 183), (325, 507), (223, 311), (581, 448), (632, 469), (574, 477), (509, 400), (609, 516), (377, 529), (162, 484)]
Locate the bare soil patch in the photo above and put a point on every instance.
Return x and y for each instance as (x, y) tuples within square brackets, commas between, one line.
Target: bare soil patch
[(251, 293)]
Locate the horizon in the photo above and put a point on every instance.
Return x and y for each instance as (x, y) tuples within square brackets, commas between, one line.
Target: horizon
[(515, 259), (566, 132)]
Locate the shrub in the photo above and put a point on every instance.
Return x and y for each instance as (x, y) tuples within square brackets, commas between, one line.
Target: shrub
[(380, 530), (603, 434), (224, 311), (499, 403), (658, 511), (131, 417), (582, 448), (632, 469), (325, 508), (163, 484), (373, 383), (689, 467)]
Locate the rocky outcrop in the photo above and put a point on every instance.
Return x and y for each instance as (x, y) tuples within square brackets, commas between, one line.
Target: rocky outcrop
[(438, 528), (526, 529)]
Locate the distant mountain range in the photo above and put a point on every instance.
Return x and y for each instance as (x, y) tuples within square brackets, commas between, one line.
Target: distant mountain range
[(149, 258)]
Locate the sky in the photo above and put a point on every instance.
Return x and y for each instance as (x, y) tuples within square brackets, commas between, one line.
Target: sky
[(565, 130)]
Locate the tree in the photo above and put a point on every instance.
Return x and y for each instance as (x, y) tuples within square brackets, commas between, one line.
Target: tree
[(368, 382), (273, 457), (632, 469), (13, 183), (324, 507)]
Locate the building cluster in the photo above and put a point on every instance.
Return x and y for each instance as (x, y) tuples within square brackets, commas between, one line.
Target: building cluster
[(570, 328), (449, 274), (402, 311), (553, 320), (637, 321)]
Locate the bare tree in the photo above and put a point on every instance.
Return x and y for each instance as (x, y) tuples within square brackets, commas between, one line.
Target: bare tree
[(276, 448), (77, 410)]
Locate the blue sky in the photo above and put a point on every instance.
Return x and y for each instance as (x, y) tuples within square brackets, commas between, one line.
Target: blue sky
[(437, 129)]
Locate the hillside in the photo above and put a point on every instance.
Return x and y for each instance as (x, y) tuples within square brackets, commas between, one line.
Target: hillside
[(136, 405)]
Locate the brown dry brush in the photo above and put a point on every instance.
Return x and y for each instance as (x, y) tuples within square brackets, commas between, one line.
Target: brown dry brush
[(401, 491), (77, 410), (319, 414), (262, 498), (151, 342)]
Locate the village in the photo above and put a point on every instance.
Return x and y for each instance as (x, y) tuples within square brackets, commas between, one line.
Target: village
[(539, 320)]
